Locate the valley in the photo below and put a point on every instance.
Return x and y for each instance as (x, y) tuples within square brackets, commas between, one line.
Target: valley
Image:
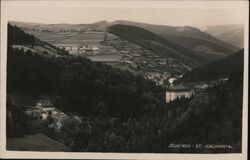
[(120, 88), (116, 51)]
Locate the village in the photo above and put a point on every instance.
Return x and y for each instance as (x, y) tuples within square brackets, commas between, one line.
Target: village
[(48, 117), (142, 61), (44, 110), (83, 50), (132, 57)]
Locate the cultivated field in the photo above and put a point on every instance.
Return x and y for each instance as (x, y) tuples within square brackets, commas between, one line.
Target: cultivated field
[(52, 37), (108, 53), (69, 37), (106, 58)]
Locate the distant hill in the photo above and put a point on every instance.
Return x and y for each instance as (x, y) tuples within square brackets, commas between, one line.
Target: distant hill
[(25, 24), (157, 44), (100, 26), (233, 34), (191, 38), (218, 69), (204, 45)]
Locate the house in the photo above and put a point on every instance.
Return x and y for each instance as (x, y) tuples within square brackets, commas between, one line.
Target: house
[(44, 103), (88, 51), (68, 48), (162, 61), (171, 80), (95, 50), (81, 50), (174, 92), (200, 87), (74, 48), (73, 52), (32, 111), (91, 49), (222, 81), (44, 116)]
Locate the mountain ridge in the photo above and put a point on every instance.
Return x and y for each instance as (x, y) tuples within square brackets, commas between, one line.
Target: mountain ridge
[(186, 31), (154, 42), (233, 33), (193, 39)]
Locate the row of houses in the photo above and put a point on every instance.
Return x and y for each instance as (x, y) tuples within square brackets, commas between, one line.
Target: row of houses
[(88, 50)]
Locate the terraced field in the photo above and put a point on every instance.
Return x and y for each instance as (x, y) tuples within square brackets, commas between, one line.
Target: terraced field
[(89, 38), (106, 58)]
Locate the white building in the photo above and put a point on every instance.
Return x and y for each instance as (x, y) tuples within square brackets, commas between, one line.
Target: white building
[(68, 48), (174, 92), (74, 48), (45, 105), (95, 50), (44, 116)]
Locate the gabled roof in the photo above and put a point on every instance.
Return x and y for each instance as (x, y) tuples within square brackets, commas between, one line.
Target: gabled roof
[(178, 88), (45, 103)]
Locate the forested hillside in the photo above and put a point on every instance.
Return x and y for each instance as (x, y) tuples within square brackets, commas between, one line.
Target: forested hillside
[(17, 38), (217, 121), (81, 83), (218, 69)]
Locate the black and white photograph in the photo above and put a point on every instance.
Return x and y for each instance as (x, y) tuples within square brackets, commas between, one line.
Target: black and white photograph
[(131, 78)]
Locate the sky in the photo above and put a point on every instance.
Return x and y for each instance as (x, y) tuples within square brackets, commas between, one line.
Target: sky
[(196, 13)]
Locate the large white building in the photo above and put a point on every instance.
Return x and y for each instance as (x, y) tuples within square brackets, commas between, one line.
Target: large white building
[(174, 92)]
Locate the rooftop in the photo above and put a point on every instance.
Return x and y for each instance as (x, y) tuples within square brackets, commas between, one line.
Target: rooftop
[(178, 88), (45, 103)]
